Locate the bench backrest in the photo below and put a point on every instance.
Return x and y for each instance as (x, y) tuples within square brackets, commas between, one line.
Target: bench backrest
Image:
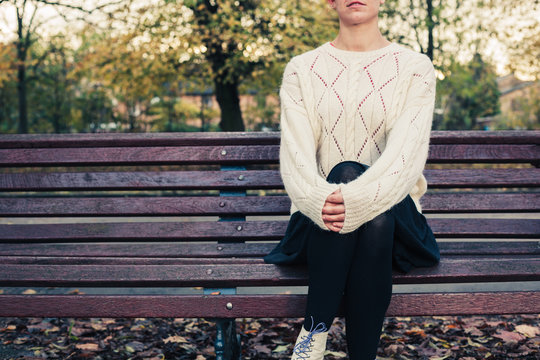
[(111, 175)]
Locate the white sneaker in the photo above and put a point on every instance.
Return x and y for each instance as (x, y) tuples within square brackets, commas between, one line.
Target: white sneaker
[(311, 344)]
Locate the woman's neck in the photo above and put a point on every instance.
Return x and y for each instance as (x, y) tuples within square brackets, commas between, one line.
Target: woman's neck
[(359, 38)]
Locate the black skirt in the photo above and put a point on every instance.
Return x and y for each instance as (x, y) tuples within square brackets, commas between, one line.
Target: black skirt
[(414, 242)]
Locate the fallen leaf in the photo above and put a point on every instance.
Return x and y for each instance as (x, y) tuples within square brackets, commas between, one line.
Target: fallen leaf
[(175, 339), (508, 336), (440, 357), (88, 346), (79, 331), (527, 330), (394, 349), (473, 331), (472, 343), (338, 354), (263, 349), (19, 341), (98, 326), (415, 331), (135, 346), (60, 347), (281, 348)]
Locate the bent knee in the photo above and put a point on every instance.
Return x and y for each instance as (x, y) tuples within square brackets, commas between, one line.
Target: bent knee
[(382, 222)]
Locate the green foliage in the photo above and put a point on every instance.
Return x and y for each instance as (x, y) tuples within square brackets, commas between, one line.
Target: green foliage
[(51, 93), (466, 93), (239, 41), (262, 115), (93, 110), (8, 89), (172, 114)]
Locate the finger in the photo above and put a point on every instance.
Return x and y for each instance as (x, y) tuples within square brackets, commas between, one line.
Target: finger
[(331, 227), (333, 209), (336, 198), (334, 218)]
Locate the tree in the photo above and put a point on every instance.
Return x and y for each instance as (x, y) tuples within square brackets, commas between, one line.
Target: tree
[(415, 23), (463, 28), (234, 41), (8, 89), (51, 96), (27, 33), (466, 93), (132, 65), (516, 25)]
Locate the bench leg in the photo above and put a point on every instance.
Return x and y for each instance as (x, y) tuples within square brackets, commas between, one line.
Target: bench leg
[(227, 341)]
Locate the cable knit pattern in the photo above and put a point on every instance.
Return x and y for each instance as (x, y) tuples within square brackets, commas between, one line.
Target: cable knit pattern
[(374, 107)]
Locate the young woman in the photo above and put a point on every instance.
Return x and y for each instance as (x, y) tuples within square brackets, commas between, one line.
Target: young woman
[(356, 117)]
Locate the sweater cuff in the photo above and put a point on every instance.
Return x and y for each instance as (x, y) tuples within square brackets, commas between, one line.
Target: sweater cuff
[(316, 200), (354, 214)]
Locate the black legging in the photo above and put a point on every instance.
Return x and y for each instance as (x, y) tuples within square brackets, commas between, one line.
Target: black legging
[(357, 266)]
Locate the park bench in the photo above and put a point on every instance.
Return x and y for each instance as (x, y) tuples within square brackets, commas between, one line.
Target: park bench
[(198, 211)]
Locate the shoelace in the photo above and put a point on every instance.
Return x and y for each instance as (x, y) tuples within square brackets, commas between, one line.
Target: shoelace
[(303, 348)]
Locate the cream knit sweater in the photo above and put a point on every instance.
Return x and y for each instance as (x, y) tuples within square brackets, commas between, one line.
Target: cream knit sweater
[(374, 107)]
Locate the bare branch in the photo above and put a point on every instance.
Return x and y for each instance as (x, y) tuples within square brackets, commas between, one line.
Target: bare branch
[(415, 28), (43, 56), (78, 7), (29, 27)]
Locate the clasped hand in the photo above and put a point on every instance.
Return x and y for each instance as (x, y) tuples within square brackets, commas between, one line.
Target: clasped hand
[(333, 212)]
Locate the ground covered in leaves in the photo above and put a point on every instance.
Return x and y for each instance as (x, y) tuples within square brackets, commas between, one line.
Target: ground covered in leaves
[(464, 337)]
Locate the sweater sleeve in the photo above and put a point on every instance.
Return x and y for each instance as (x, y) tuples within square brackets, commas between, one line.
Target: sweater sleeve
[(396, 171), (305, 186)]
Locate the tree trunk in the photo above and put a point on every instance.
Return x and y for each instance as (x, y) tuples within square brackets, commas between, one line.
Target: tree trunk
[(21, 89), (23, 44), (229, 103), (430, 26)]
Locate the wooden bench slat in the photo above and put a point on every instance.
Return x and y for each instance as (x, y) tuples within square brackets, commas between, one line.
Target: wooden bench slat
[(449, 270), (484, 228), (248, 205), (145, 206), (219, 250), (256, 306), (165, 180), (140, 156), (115, 260), (199, 230), (17, 141), (250, 230), (471, 202), (460, 153), (488, 178), (485, 137), (240, 180), (86, 140), (177, 260), (465, 153)]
